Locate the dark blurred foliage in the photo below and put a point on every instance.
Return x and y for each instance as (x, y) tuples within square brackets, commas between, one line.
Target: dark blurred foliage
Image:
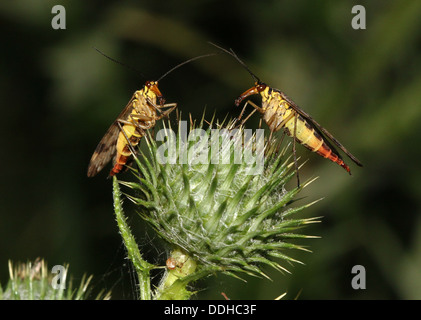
[(59, 96)]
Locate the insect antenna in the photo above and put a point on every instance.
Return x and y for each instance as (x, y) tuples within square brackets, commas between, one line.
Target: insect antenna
[(120, 63), (164, 75), (233, 54), (183, 63)]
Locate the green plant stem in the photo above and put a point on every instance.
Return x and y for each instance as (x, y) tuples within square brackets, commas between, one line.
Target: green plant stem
[(175, 281), (142, 267)]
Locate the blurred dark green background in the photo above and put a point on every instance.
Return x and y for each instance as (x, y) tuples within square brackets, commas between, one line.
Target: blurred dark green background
[(59, 96)]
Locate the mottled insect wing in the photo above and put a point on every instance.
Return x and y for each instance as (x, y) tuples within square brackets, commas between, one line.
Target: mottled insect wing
[(106, 148), (104, 151)]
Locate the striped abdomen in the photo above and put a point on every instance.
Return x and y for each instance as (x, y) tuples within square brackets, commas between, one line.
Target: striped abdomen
[(131, 133), (278, 114), (123, 152), (308, 136)]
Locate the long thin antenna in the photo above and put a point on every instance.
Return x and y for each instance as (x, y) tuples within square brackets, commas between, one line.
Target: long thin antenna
[(233, 54), (165, 74), (120, 63), (183, 63)]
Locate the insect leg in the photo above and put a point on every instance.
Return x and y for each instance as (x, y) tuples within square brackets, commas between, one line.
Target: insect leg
[(280, 142), (242, 122), (270, 135), (256, 108), (137, 117), (158, 108), (168, 105), (119, 122), (293, 148), (137, 124), (282, 124), (172, 106), (242, 112), (248, 117)]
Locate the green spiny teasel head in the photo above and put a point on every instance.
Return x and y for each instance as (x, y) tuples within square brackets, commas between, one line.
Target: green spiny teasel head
[(202, 193)]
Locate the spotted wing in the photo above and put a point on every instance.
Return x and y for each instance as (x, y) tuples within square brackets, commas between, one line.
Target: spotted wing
[(106, 148)]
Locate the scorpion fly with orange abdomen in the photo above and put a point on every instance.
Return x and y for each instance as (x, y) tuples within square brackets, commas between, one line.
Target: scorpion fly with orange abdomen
[(146, 106), (280, 112)]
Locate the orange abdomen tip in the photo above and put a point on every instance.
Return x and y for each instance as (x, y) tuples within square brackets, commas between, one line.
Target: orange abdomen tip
[(120, 162)]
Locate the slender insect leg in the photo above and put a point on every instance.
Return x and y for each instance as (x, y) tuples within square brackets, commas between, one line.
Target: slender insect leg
[(280, 142), (172, 106), (158, 108), (242, 112), (169, 105), (125, 135), (270, 124), (256, 108), (244, 121), (282, 124), (270, 135), (248, 117), (293, 149), (137, 117), (137, 124), (163, 114), (241, 115), (134, 123)]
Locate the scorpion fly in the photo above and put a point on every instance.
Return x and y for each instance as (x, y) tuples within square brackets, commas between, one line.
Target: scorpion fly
[(280, 112), (146, 106)]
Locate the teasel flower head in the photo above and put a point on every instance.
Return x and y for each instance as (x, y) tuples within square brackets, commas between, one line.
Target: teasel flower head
[(218, 197)]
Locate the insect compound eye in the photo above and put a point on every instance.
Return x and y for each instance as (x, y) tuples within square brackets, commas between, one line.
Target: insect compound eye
[(149, 84), (260, 87)]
